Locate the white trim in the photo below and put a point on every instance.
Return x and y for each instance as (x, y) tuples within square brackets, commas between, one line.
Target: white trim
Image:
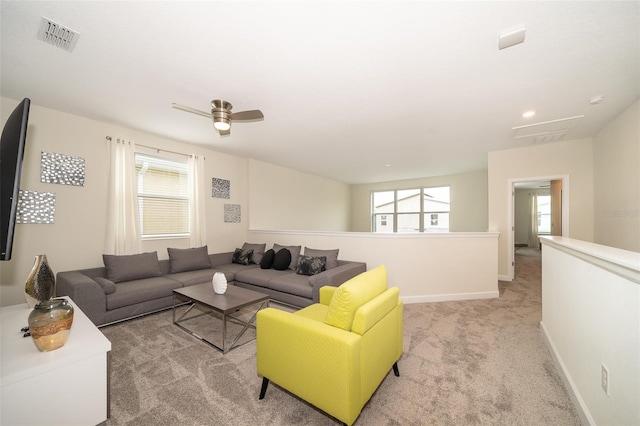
[(574, 394), (450, 297), (511, 215), (504, 278), (434, 235), (624, 263)]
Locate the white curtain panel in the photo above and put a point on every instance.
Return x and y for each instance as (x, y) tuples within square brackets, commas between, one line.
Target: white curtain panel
[(197, 197), (123, 222), (533, 227)]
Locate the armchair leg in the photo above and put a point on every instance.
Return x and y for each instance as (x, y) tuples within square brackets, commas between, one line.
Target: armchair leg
[(263, 390), (395, 369)]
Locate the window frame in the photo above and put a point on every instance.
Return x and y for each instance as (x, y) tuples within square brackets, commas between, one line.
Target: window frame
[(174, 163), (396, 214)]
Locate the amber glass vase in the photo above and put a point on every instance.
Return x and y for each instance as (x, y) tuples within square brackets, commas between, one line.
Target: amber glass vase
[(50, 323)]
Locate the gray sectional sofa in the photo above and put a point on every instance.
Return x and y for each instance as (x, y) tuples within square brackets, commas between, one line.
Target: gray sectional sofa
[(130, 286)]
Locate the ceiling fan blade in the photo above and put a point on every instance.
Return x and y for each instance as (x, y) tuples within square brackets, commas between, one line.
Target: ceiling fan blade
[(254, 114), (191, 110), (225, 132)]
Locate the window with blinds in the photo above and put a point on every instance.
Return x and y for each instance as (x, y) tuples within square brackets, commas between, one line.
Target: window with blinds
[(163, 198)]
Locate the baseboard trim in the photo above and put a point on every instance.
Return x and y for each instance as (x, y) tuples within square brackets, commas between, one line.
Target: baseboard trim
[(574, 394), (450, 297), (504, 278)]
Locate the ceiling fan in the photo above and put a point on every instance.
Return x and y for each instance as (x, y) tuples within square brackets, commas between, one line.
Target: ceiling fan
[(222, 115)]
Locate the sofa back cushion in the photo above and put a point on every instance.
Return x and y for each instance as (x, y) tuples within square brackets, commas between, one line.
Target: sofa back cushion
[(182, 260), (293, 250), (331, 255), (258, 251), (353, 294), (131, 267)]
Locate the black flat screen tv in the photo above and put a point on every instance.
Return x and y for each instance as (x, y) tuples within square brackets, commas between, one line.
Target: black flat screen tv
[(12, 143)]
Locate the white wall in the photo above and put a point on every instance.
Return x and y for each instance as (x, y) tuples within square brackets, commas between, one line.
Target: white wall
[(426, 267), (468, 200), (573, 159), (76, 239), (286, 199), (591, 317), (616, 154)]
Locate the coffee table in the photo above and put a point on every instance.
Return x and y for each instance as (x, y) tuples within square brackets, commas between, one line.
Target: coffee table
[(227, 305)]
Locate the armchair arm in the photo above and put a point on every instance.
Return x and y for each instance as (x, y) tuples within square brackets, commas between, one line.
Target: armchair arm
[(326, 294), (373, 311), (317, 362), (85, 292), (335, 276)]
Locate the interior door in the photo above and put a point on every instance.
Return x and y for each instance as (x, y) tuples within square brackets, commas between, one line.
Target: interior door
[(556, 207)]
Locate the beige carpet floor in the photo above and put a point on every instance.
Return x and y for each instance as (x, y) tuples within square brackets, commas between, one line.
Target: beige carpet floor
[(481, 362)]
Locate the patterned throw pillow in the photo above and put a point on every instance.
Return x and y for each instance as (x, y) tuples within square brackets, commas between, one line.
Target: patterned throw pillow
[(308, 265), (242, 257)]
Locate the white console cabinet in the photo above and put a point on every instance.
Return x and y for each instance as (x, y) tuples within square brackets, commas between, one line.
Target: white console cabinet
[(67, 386)]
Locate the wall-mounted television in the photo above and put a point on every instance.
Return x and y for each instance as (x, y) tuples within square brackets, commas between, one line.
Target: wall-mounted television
[(12, 143)]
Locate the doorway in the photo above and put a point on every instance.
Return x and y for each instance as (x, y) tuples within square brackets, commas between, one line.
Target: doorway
[(538, 206)]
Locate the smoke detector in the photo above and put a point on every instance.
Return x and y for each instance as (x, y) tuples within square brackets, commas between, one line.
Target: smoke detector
[(57, 35)]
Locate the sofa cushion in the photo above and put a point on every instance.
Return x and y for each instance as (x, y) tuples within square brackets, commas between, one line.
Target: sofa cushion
[(308, 265), (261, 277), (292, 283), (242, 257), (131, 267), (295, 252), (138, 291), (107, 285), (353, 294), (188, 259), (282, 259), (258, 251), (231, 270), (198, 276), (267, 259), (331, 255)]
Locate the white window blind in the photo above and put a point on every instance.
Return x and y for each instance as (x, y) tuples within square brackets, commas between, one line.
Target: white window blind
[(163, 196)]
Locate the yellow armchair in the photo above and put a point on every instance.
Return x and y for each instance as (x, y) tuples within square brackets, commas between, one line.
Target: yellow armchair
[(334, 354)]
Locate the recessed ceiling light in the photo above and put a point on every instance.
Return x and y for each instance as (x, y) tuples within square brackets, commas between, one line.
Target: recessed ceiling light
[(528, 114), (596, 100)]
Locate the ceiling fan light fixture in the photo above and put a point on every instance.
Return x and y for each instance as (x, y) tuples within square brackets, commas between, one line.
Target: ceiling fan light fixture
[(221, 123)]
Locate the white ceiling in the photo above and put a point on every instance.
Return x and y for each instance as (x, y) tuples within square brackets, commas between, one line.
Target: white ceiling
[(358, 92)]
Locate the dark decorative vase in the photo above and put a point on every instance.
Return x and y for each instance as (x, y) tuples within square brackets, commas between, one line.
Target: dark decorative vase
[(41, 282), (50, 323)]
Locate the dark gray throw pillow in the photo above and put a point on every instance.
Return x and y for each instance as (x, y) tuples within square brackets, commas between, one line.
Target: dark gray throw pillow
[(242, 257), (267, 259), (131, 267), (282, 259), (308, 265), (258, 251), (191, 259)]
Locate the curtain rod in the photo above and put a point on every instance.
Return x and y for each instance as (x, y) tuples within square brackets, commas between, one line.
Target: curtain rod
[(158, 149)]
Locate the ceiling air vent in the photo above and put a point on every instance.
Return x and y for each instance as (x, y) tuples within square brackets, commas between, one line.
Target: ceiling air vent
[(58, 35), (547, 131)]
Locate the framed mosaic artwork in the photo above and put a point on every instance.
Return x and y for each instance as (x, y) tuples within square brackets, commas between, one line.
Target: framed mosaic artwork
[(61, 169), (36, 207), (232, 213), (220, 188)]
